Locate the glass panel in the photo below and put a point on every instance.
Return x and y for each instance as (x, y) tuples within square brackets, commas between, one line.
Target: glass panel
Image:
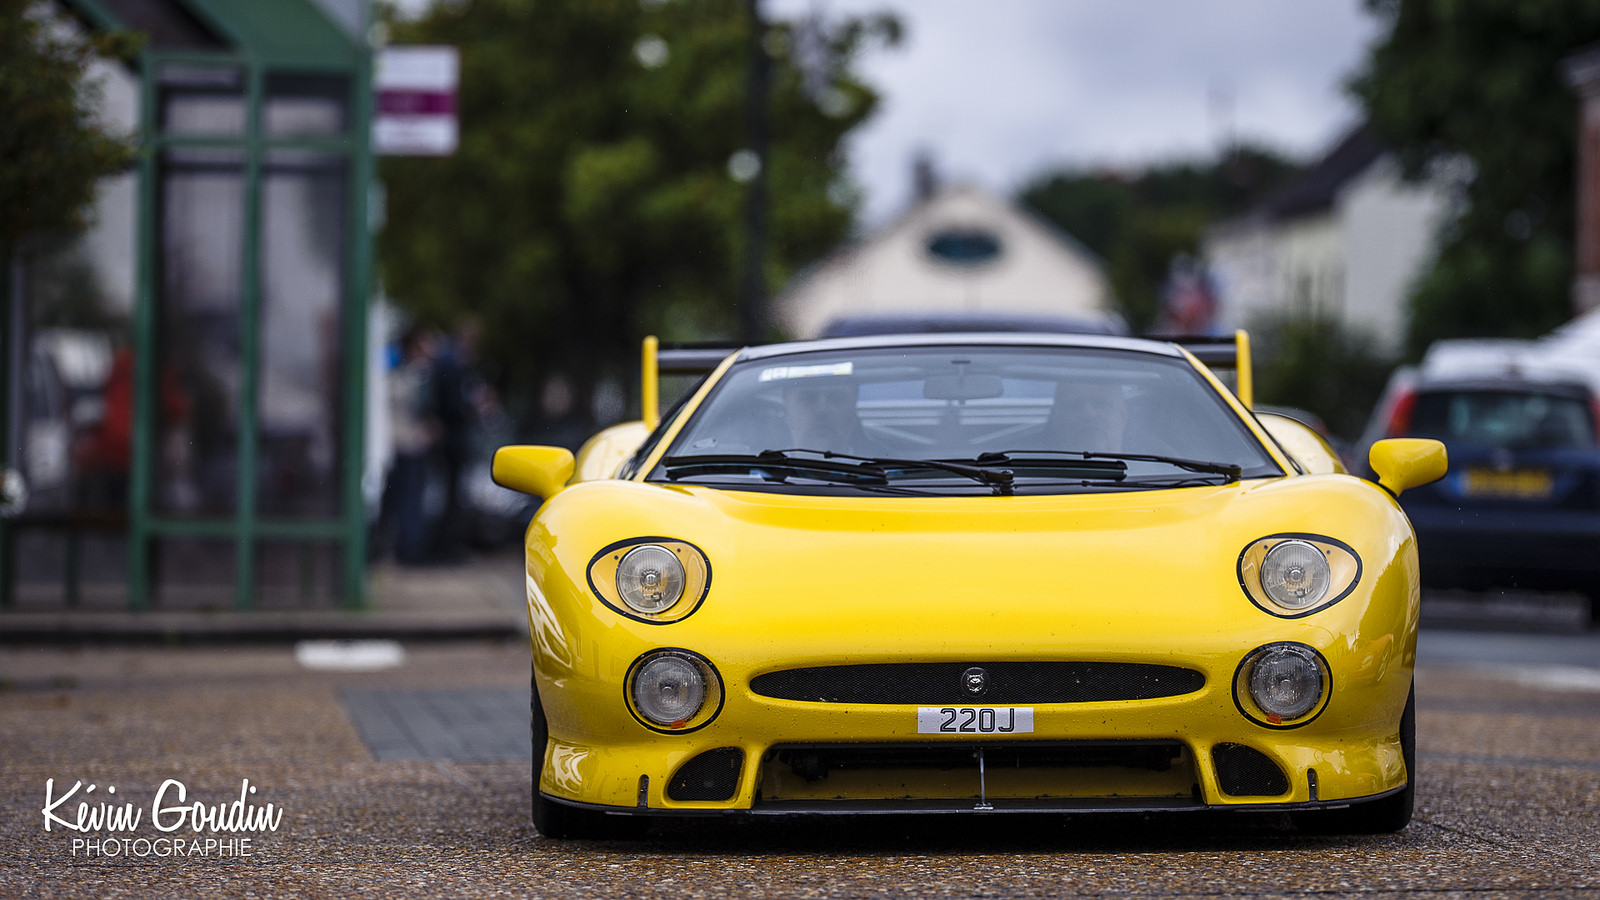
[(305, 106), (70, 408), (202, 100), (39, 558), (192, 573), (199, 368), (64, 561), (303, 201), (297, 574), (1505, 418), (73, 411)]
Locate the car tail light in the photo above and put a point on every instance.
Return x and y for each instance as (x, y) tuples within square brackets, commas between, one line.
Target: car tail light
[(1400, 414)]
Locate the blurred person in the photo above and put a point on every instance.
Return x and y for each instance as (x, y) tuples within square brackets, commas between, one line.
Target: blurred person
[(1090, 416), (821, 415), (414, 428), (1189, 299), (459, 398)]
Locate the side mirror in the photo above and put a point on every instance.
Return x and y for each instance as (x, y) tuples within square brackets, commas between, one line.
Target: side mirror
[(1404, 463), (540, 471)]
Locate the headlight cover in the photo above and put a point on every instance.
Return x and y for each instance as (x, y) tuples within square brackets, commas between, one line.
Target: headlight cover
[(650, 578), (655, 580), (673, 691), (1282, 685), (1294, 575)]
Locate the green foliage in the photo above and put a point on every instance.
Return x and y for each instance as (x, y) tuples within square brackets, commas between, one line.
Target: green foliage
[(590, 202), (1317, 363), (1140, 222), (1482, 84), (52, 153)]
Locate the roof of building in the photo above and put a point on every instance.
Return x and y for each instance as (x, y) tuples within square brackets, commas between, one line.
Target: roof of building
[(1314, 189)]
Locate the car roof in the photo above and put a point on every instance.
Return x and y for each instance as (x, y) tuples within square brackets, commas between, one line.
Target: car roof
[(1504, 384), (970, 321), (1498, 364), (997, 339)]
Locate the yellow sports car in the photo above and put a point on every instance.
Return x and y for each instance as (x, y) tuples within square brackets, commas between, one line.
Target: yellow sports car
[(969, 573)]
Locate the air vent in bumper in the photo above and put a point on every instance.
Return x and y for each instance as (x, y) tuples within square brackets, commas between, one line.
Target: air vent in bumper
[(1247, 772), (934, 684), (712, 775)]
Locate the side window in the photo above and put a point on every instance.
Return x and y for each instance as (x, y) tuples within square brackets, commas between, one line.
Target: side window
[(631, 467)]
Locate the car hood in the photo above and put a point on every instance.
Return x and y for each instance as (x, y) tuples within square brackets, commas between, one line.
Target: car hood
[(995, 563)]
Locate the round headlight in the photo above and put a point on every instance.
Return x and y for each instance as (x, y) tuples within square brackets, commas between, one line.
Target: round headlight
[(650, 578), (1295, 575), (668, 689), (1285, 680)]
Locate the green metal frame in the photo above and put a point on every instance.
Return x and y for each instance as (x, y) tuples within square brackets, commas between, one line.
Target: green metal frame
[(286, 36)]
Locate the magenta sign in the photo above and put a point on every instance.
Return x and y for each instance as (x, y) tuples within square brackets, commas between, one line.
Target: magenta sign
[(414, 110)]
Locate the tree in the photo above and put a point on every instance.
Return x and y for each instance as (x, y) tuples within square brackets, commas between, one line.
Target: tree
[(52, 152), (1315, 361), (590, 201), (1478, 88), (1140, 222)]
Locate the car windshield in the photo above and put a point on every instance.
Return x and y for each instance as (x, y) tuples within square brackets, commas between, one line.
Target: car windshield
[(950, 418), (1502, 418)]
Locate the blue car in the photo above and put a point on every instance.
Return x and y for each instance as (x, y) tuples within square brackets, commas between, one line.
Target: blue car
[(1520, 506)]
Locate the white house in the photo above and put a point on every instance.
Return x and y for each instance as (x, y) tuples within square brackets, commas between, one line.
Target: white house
[(1346, 238), (960, 249)]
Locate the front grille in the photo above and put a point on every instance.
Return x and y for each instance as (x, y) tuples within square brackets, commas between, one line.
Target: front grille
[(1247, 772), (1006, 683), (712, 775)]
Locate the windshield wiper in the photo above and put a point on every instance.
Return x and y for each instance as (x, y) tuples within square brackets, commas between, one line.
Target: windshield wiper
[(999, 479), (1230, 471), (768, 461)]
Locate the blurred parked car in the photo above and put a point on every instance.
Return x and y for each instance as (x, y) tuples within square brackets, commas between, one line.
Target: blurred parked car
[(1521, 505)]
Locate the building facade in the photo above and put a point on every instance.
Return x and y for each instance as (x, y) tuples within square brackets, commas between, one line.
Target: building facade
[(1344, 240), (959, 249)]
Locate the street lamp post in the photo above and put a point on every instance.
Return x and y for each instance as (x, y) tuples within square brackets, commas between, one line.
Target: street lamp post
[(752, 299)]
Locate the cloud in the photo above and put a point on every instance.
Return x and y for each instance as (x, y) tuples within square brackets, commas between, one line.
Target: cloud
[(1001, 92)]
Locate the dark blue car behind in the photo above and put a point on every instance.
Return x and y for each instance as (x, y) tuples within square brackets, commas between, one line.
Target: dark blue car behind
[(1520, 506)]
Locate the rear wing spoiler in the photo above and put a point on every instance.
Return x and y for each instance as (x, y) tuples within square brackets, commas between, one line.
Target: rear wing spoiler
[(1226, 352), (687, 359), (698, 359)]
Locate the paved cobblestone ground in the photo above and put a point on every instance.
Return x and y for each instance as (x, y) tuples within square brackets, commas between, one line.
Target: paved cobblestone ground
[(1508, 798)]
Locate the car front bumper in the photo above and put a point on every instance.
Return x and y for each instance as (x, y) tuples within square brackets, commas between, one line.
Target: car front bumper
[(763, 755)]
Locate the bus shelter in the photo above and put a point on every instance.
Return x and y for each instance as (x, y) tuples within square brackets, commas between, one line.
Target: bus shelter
[(186, 381)]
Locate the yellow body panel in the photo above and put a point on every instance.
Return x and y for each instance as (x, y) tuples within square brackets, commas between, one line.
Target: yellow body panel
[(601, 455), (1309, 448), (1136, 577)]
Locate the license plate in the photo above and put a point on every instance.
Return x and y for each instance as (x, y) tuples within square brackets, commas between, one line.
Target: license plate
[(974, 720), (1519, 484)]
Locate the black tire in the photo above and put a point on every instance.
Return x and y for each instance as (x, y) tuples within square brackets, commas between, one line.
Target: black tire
[(557, 820), (1381, 816)]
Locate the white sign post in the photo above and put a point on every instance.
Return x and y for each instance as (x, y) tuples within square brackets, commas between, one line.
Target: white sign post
[(415, 109)]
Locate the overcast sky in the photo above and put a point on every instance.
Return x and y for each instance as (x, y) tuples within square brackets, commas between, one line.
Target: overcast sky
[(999, 91)]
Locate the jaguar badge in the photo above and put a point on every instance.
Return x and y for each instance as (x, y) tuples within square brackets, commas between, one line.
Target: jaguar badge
[(975, 681)]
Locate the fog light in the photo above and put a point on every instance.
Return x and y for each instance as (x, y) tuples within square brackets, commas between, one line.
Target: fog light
[(1282, 682), (671, 690)]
